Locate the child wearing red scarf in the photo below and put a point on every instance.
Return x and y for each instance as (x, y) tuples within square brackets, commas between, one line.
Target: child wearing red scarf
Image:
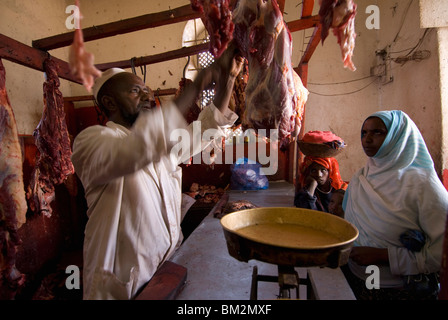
[(319, 178)]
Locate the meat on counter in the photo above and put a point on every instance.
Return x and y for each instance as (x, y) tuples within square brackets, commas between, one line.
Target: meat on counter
[(205, 193)]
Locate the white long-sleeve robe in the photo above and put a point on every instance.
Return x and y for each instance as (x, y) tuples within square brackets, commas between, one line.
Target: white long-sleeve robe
[(133, 185)]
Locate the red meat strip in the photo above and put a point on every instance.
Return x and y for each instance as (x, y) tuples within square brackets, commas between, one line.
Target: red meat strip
[(81, 61), (275, 95), (193, 111), (13, 205), (217, 18), (340, 16), (53, 164)]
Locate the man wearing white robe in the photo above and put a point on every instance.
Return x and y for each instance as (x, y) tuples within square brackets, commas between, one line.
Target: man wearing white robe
[(132, 180)]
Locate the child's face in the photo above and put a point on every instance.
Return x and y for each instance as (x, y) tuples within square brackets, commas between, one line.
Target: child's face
[(335, 205), (318, 173)]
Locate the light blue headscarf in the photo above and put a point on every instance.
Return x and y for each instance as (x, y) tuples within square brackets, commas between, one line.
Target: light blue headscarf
[(403, 146)]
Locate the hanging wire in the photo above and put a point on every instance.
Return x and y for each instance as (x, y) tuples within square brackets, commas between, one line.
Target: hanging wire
[(341, 82), (402, 20), (345, 93)]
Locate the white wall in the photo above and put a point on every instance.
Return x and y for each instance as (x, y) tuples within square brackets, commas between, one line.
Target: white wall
[(442, 35), (434, 14), (136, 44), (24, 21), (414, 88)]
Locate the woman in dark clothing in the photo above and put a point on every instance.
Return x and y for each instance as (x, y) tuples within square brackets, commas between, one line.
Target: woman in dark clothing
[(319, 178)]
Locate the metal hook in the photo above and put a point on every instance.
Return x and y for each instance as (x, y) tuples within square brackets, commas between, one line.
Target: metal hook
[(185, 68), (143, 71), (133, 65)]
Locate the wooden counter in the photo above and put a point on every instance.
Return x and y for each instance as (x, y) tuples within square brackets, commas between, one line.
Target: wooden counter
[(212, 274)]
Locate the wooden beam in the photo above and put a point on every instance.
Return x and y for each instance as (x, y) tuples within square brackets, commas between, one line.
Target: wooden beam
[(314, 41), (304, 23), (161, 57), (158, 93), (281, 5), (302, 71), (307, 8), (146, 21), (27, 56)]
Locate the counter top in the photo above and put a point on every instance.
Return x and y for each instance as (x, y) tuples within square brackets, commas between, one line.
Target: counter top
[(212, 274)]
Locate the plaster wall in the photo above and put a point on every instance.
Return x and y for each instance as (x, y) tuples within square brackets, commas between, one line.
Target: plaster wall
[(433, 13), (442, 35), (161, 75), (415, 88), (25, 21), (340, 99)]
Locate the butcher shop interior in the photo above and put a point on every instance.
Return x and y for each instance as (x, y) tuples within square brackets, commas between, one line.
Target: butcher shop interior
[(310, 74)]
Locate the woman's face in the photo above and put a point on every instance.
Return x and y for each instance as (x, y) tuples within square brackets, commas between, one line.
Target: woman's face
[(373, 133)]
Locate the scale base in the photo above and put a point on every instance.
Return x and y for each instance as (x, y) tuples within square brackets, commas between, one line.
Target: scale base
[(287, 279)]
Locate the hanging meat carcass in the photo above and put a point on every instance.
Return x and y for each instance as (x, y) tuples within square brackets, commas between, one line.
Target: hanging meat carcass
[(275, 95), (238, 100), (339, 15), (13, 205), (193, 110), (217, 19), (53, 164)]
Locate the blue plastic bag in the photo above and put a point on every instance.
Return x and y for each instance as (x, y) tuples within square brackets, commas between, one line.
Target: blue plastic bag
[(246, 174)]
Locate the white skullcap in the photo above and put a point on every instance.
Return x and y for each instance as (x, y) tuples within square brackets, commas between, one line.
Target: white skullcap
[(106, 75)]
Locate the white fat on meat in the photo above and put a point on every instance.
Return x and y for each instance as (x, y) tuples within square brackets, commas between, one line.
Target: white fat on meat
[(275, 95)]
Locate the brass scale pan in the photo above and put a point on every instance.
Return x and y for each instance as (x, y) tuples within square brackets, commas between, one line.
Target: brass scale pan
[(289, 236)]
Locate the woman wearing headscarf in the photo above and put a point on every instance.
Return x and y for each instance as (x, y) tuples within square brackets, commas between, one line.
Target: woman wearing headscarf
[(399, 206), (319, 178)]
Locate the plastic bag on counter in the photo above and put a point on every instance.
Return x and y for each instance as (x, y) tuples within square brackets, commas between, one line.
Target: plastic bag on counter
[(245, 175)]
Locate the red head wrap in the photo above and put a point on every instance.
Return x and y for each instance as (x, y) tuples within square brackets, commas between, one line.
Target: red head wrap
[(331, 164)]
